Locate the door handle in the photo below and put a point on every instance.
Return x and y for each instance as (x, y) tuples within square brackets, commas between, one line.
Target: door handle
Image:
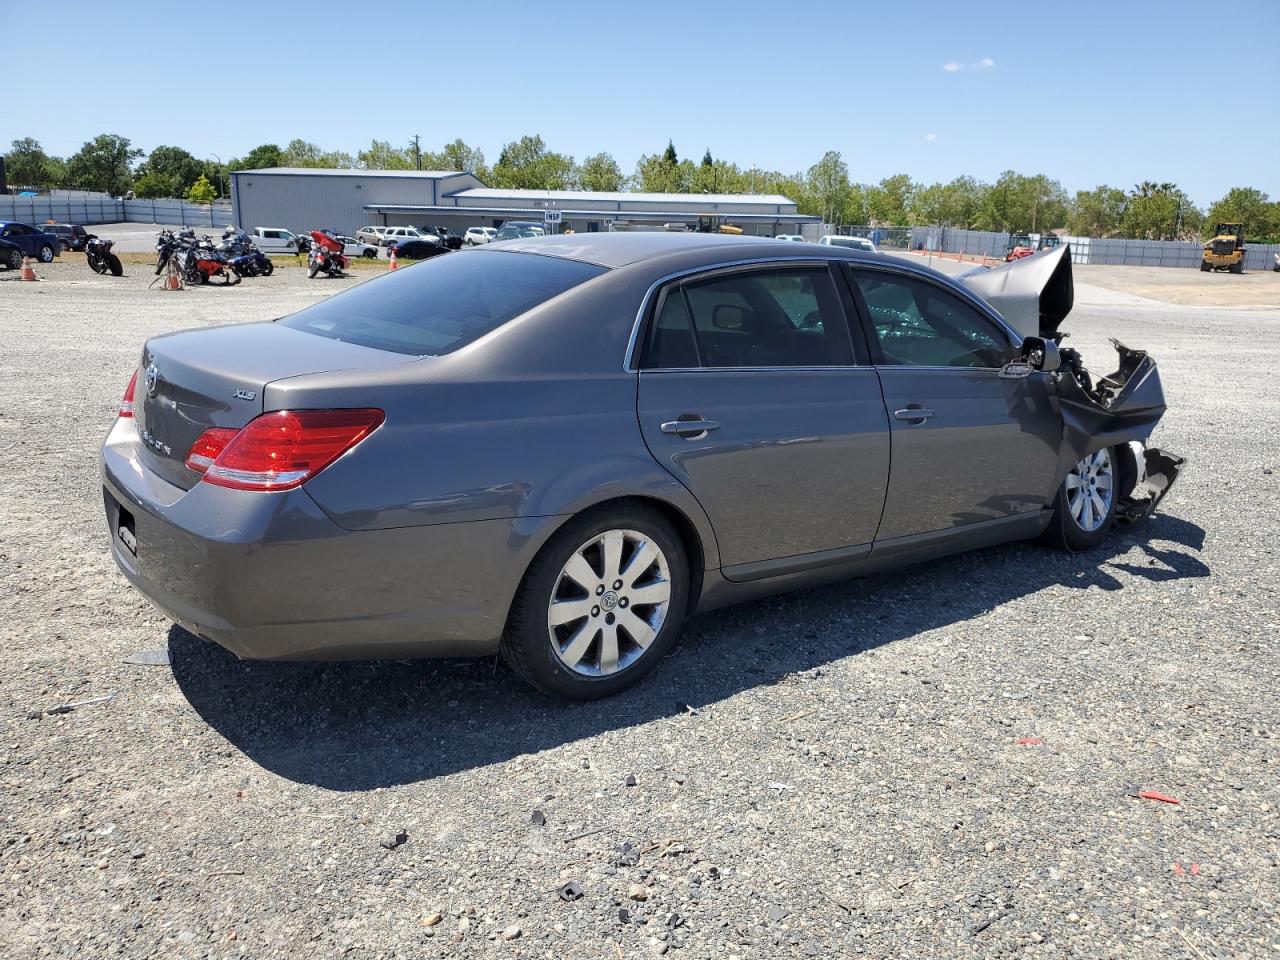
[(913, 414), (689, 429)]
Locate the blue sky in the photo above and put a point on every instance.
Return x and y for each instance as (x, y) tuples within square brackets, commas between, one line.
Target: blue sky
[(1085, 92)]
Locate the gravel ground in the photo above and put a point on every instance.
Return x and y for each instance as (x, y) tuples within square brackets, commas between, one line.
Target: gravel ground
[(933, 763)]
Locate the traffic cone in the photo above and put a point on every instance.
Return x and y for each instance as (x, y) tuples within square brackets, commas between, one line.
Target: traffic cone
[(28, 273), (393, 265), (172, 280)]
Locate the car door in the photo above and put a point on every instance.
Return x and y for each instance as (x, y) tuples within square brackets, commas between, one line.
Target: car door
[(21, 235), (751, 394), (969, 446)]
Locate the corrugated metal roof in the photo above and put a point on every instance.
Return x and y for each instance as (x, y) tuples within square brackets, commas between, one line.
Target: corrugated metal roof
[(535, 213), (493, 193), (330, 172)]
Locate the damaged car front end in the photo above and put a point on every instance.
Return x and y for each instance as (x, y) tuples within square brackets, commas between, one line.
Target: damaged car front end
[(1119, 410)]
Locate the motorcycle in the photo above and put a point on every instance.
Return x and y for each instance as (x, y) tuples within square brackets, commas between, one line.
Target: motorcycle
[(168, 243), (202, 261), (101, 260), (326, 255), (243, 257)]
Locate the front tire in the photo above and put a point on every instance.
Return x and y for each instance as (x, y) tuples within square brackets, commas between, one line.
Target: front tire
[(1085, 507), (46, 253), (314, 269), (601, 604), (114, 265)]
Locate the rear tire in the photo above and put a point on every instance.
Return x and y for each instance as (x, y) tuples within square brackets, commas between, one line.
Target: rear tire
[(1236, 268), (542, 653), (1204, 267), (46, 253), (1085, 506), (14, 260), (114, 264), (268, 268)]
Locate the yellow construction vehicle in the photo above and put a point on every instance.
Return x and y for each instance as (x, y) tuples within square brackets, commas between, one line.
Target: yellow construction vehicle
[(1226, 250), (714, 223)]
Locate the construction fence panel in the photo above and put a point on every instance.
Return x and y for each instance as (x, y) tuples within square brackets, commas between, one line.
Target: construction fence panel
[(90, 209)]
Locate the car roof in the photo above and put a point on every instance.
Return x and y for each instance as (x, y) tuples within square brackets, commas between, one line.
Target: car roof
[(621, 249)]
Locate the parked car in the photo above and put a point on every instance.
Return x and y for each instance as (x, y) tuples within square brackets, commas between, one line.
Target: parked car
[(356, 248), (475, 236), (417, 466), (10, 255), (72, 236), (849, 243), (447, 236), (373, 234), (416, 248), (791, 237), (32, 242), (407, 233), (276, 240), (519, 230)]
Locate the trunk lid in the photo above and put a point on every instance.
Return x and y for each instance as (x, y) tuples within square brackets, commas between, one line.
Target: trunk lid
[(189, 382)]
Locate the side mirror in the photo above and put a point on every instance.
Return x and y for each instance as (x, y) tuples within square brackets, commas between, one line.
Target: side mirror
[(727, 317), (1042, 354)]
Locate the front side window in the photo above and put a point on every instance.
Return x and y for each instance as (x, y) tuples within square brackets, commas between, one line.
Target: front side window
[(443, 304), (920, 325), (762, 318)]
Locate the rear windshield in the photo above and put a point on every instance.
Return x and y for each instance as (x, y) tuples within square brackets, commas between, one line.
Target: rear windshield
[(442, 304)]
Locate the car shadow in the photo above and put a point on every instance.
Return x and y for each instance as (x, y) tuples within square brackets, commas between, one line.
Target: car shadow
[(356, 726)]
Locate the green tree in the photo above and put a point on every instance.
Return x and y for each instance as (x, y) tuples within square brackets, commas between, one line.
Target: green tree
[(381, 155), (103, 163), (27, 165), (259, 158), (1159, 211), (828, 183), (1097, 212), (301, 153), (1250, 207), (1023, 204), (889, 201), (461, 157), (202, 191), (707, 159), (152, 185), (174, 166), (600, 172), (670, 154), (527, 164)]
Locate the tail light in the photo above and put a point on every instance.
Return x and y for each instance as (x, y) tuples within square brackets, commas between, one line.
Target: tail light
[(281, 450), (126, 402)]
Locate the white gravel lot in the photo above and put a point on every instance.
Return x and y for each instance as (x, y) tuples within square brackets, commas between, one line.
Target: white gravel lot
[(849, 782)]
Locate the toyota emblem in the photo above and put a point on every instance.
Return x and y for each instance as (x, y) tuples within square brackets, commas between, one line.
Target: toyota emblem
[(152, 379)]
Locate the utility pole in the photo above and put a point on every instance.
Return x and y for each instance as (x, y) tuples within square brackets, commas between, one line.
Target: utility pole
[(417, 153)]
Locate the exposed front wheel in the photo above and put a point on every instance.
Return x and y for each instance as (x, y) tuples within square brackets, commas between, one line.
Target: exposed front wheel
[(600, 606), (1085, 506)]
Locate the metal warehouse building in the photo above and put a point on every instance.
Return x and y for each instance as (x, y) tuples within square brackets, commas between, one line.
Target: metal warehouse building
[(301, 198)]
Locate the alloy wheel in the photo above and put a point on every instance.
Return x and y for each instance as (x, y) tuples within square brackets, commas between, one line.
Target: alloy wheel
[(1090, 487), (609, 602)]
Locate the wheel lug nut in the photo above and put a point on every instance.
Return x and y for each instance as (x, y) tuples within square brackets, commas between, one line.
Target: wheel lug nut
[(623, 603), (595, 611), (599, 589), (608, 618), (617, 584)]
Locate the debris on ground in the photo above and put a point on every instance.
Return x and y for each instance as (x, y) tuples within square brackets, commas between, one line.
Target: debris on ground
[(149, 658), (568, 892), (638, 892), (398, 840), (68, 707)]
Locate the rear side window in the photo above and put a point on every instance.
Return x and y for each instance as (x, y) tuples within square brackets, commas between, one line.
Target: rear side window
[(442, 304), (760, 318)]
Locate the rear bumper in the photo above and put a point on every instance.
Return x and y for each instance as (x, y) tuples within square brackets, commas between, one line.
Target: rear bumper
[(271, 577)]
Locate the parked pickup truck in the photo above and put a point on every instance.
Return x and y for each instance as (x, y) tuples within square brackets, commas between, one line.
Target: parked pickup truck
[(275, 240)]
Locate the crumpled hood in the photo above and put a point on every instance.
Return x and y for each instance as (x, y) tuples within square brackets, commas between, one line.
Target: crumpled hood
[(1033, 294)]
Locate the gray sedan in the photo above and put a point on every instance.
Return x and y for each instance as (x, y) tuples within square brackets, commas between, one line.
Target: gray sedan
[(561, 447)]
